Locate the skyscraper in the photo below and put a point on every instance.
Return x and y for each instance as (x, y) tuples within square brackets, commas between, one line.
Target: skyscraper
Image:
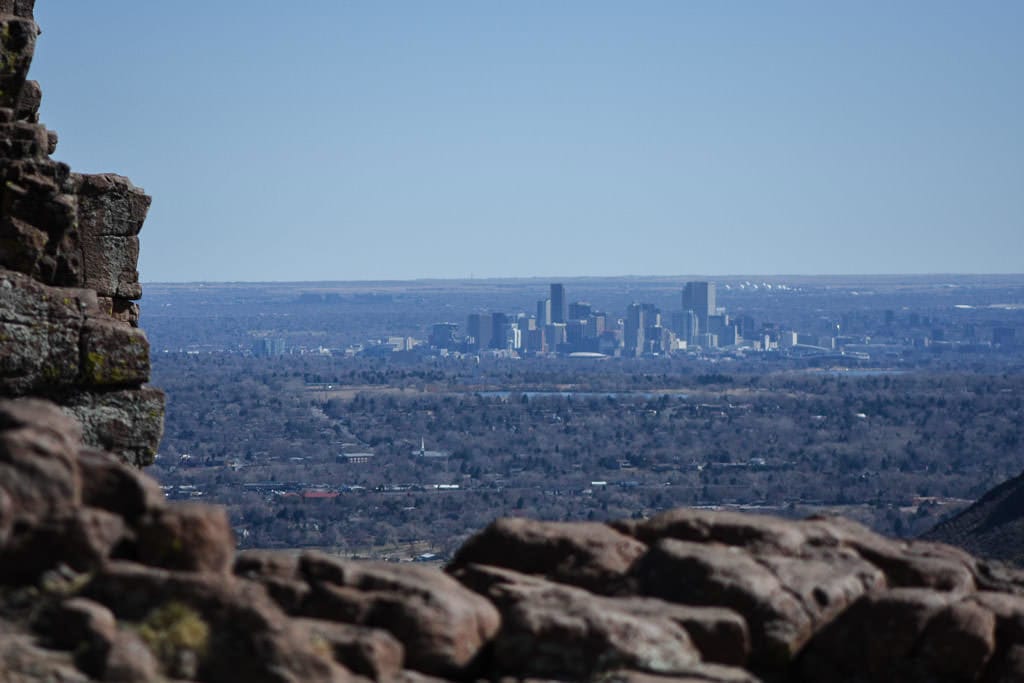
[(684, 324), (499, 331), (543, 312), (479, 331), (442, 335), (557, 303), (699, 297), (636, 321), (579, 310)]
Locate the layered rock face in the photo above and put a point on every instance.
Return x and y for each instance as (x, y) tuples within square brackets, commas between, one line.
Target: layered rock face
[(68, 282), (102, 579)]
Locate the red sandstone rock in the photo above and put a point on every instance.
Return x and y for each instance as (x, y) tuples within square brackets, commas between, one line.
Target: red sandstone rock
[(279, 574), (589, 555), (876, 638), (81, 539), (76, 623), (187, 537), (128, 660), (708, 574), (958, 642), (755, 533), (250, 638), (38, 469), (261, 564), (109, 484), (905, 565), (441, 624), (557, 631), (365, 651), (719, 634)]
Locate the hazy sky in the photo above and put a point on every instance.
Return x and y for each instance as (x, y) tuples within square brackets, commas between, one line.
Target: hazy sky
[(338, 140)]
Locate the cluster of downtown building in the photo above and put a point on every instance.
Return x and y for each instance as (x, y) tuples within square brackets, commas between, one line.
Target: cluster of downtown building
[(577, 328), (697, 326)]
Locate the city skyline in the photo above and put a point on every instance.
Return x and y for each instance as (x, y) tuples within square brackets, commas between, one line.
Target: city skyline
[(561, 327)]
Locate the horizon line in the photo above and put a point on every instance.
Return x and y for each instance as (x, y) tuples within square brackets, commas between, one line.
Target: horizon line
[(558, 278)]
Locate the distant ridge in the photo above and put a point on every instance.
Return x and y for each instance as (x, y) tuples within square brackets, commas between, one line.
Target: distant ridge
[(993, 527)]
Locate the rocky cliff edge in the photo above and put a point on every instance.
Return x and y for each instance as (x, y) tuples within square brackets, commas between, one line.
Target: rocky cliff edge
[(69, 248)]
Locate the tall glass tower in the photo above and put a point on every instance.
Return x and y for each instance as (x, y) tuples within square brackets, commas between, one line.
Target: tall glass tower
[(557, 303)]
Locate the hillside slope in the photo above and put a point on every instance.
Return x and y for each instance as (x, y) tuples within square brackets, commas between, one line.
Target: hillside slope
[(993, 527)]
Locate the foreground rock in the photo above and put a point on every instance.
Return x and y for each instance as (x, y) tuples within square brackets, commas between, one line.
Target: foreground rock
[(442, 626), (68, 280), (120, 585), (589, 555), (555, 631)]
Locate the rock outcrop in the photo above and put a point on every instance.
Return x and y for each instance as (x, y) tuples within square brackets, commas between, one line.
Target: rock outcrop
[(68, 281), (102, 579)]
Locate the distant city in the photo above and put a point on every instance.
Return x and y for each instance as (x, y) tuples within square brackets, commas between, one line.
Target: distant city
[(558, 327), (578, 328), (389, 419)]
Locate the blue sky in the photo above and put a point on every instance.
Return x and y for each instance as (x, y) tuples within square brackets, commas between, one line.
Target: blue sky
[(327, 140)]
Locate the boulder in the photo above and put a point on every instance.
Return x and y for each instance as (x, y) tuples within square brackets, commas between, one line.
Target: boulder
[(562, 632), (250, 638), (756, 534), (715, 575), (827, 583), (82, 539), (365, 651), (22, 660), (109, 484), (263, 564), (442, 625), (38, 469), (189, 537), (101, 650), (77, 623), (876, 639), (279, 574), (129, 660), (585, 554), (719, 634), (907, 565), (958, 642)]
